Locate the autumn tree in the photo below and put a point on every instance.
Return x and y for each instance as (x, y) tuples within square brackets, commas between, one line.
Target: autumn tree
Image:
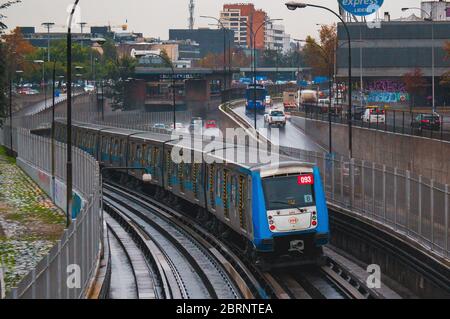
[(213, 60), (445, 79), (321, 60), (4, 62), (415, 84)]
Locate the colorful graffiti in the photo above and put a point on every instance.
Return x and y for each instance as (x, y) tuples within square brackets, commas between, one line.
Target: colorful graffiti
[(387, 97), (387, 86), (387, 91)]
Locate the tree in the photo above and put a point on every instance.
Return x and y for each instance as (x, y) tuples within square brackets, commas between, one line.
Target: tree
[(445, 79), (4, 6), (415, 84), (321, 61), (4, 63), (119, 72)]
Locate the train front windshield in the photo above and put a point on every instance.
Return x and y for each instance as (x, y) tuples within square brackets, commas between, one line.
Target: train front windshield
[(289, 192)]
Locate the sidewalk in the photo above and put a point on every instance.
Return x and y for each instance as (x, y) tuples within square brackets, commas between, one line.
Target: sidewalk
[(30, 224)]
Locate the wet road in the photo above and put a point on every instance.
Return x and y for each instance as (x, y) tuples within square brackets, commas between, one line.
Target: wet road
[(290, 135)]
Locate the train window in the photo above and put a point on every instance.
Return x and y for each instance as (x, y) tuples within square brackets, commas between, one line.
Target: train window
[(194, 178), (242, 192), (149, 156), (143, 155), (116, 148), (233, 195), (211, 185), (225, 193), (181, 168), (138, 153), (169, 168), (218, 183)]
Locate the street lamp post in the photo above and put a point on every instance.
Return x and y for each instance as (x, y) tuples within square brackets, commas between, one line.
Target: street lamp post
[(11, 83), (253, 35), (43, 79), (48, 25), (297, 5), (433, 73), (100, 42), (327, 60), (69, 179)]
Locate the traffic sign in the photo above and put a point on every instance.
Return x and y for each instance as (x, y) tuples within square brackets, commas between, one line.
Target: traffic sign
[(361, 7)]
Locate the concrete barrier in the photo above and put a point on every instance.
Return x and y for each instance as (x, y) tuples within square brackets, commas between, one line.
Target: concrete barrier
[(423, 156)]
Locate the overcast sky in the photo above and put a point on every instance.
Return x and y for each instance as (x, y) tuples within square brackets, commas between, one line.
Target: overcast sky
[(155, 17)]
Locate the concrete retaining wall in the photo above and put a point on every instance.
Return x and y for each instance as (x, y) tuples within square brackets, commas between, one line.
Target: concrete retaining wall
[(423, 156), (57, 192)]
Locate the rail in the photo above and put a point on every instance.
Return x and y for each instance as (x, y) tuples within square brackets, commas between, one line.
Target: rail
[(412, 205)]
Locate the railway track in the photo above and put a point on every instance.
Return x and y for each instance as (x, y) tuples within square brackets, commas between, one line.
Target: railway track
[(328, 282), (221, 273)]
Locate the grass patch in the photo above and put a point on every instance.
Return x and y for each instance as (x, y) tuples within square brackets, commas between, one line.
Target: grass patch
[(4, 153)]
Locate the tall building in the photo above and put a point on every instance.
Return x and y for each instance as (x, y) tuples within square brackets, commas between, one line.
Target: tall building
[(242, 18), (438, 10), (208, 40), (276, 38)]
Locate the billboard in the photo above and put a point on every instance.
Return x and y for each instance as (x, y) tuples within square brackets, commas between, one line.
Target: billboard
[(361, 7)]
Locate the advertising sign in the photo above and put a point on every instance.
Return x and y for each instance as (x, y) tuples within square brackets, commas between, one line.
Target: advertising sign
[(361, 7)]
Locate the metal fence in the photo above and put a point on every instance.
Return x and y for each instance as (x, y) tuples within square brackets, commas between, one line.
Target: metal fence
[(409, 204), (144, 121), (70, 265)]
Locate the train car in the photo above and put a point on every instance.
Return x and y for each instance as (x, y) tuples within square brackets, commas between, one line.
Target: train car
[(277, 211)]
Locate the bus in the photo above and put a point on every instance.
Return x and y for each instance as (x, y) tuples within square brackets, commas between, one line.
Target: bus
[(261, 94)]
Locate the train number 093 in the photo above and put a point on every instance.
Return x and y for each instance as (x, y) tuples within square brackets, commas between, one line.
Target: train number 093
[(306, 179)]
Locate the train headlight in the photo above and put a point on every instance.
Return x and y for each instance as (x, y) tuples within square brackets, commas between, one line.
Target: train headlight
[(314, 223), (272, 227)]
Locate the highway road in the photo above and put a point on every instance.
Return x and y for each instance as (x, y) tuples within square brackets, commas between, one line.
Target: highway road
[(290, 135)]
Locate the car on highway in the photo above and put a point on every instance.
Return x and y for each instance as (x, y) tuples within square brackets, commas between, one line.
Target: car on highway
[(275, 117), (427, 121), (179, 127), (374, 115), (89, 88), (196, 125), (210, 124), (159, 126), (269, 101)]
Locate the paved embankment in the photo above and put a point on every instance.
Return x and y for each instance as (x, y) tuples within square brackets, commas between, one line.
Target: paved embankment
[(30, 223)]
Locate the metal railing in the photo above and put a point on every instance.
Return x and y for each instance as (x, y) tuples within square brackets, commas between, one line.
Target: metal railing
[(69, 267), (409, 204), (402, 122)]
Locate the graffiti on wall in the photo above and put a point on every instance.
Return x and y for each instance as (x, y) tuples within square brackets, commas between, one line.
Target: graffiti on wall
[(387, 91)]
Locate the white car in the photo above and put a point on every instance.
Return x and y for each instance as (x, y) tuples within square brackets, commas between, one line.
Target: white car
[(89, 88), (268, 101), (374, 115), (275, 117)]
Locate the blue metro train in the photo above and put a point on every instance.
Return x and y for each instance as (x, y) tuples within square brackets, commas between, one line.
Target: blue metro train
[(277, 211)]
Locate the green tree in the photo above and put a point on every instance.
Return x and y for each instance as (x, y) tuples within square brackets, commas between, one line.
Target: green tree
[(119, 72)]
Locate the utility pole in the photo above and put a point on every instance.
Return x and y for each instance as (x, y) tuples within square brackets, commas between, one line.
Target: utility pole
[(82, 25), (48, 25), (191, 14)]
